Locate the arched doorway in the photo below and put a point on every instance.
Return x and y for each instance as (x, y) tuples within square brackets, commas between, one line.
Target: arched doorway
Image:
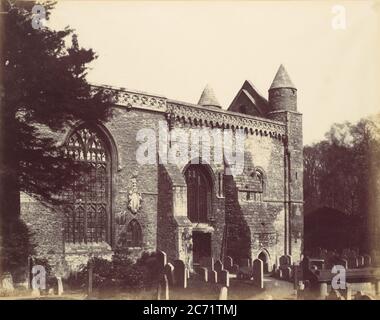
[(199, 207), (88, 209), (263, 256)]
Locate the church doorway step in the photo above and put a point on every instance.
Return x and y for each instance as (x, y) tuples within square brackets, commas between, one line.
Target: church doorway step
[(201, 246), (263, 256)]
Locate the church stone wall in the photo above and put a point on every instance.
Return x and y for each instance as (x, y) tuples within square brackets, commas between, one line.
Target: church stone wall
[(247, 218)]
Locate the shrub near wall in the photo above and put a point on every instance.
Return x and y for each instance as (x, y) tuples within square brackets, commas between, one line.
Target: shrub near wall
[(119, 275)]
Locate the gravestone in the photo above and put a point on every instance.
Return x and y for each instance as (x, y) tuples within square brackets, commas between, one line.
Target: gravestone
[(207, 262), (228, 263), (203, 272), (223, 294), (218, 266), (323, 290), (290, 260), (367, 260), (161, 260), (180, 274), (258, 273), (284, 261), (169, 272), (235, 269), (360, 261), (60, 286), (36, 293), (163, 288), (352, 262), (7, 282), (224, 278), (212, 276)]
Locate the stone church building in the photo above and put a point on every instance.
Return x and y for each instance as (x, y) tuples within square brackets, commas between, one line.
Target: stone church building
[(192, 210)]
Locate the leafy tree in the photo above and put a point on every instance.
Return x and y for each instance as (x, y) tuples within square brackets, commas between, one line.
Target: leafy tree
[(342, 173), (43, 90)]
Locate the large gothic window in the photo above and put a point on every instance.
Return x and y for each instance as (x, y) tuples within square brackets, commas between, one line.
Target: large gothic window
[(198, 193), (134, 234), (88, 200)]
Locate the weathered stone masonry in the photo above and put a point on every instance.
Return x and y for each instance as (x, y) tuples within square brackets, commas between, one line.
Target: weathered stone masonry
[(152, 206)]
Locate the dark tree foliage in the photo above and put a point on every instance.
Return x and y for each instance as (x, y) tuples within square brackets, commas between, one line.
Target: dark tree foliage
[(43, 90), (340, 176)]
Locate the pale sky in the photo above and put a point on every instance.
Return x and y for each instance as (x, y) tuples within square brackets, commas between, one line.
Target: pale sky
[(175, 48)]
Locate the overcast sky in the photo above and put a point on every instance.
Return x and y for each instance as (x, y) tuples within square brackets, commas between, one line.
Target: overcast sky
[(175, 48)]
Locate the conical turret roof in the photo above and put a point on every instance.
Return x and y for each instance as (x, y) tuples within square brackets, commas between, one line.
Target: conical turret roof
[(208, 98), (282, 79)]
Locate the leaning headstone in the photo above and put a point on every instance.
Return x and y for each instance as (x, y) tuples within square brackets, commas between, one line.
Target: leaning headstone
[(169, 272), (223, 293), (180, 274), (207, 262), (367, 260), (203, 273), (212, 276), (218, 266), (7, 283), (163, 288), (228, 263), (224, 278), (161, 260), (258, 273)]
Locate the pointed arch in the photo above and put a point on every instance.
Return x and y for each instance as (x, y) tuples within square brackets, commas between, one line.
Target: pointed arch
[(89, 206)]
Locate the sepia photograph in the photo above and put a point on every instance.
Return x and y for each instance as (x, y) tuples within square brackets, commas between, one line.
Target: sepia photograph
[(163, 151)]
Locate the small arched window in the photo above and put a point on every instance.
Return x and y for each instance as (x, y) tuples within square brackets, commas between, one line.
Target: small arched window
[(134, 234)]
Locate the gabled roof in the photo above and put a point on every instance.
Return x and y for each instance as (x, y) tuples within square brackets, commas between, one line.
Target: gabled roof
[(208, 98), (249, 96), (282, 79)]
